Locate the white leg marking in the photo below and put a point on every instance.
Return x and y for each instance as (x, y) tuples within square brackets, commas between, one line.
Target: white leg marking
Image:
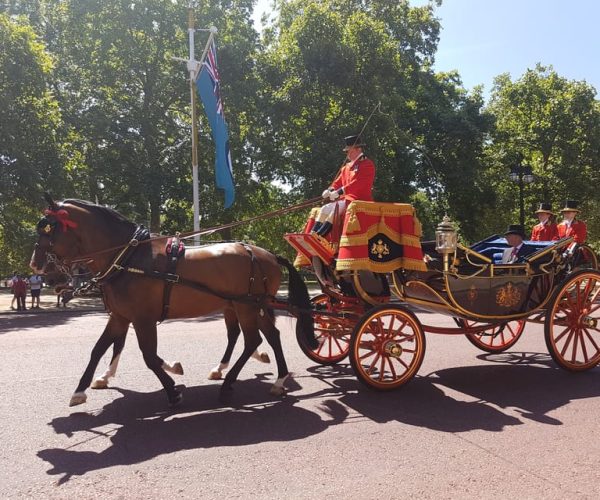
[(262, 356), (217, 372), (78, 398), (111, 371), (175, 368), (278, 389)]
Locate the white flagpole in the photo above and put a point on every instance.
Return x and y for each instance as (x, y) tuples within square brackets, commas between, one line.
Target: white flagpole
[(192, 66)]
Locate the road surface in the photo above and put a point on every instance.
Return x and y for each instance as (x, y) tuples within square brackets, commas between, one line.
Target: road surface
[(469, 425)]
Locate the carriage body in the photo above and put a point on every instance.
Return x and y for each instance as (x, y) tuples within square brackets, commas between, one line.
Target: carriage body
[(380, 275), (472, 284)]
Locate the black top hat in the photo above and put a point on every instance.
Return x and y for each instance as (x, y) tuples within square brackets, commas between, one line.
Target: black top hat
[(545, 208), (353, 141), (570, 206), (515, 229)]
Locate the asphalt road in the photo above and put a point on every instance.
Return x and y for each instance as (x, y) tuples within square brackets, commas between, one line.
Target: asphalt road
[(469, 425)]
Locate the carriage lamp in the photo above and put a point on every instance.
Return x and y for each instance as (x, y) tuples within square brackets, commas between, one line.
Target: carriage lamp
[(445, 239)]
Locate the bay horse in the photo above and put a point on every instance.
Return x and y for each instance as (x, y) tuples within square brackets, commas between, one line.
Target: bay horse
[(233, 333), (131, 269)]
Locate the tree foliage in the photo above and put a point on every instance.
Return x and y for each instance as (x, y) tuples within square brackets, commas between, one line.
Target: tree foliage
[(95, 107), (553, 125), (31, 145)]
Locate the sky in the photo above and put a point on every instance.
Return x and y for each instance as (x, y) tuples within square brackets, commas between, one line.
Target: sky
[(484, 38)]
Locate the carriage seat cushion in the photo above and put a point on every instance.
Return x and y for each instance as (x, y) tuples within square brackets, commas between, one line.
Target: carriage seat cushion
[(491, 252), (494, 247)]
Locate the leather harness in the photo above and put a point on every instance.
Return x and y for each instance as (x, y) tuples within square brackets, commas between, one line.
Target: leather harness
[(174, 251)]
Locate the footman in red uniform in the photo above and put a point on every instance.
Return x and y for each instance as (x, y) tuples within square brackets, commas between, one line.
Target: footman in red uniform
[(546, 230), (570, 226), (353, 182)]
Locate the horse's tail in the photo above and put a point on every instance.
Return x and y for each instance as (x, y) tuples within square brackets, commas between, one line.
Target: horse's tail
[(298, 296)]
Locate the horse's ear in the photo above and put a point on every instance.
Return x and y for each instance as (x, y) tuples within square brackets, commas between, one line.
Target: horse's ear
[(51, 203)]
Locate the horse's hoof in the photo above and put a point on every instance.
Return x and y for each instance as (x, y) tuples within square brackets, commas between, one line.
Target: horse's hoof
[(177, 368), (278, 390), (99, 383), (264, 357), (215, 375), (78, 398), (175, 399)]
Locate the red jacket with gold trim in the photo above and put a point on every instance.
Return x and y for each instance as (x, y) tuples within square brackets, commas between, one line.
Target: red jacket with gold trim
[(577, 229), (544, 232), (357, 180)]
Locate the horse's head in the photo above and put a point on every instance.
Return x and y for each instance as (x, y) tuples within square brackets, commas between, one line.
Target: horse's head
[(57, 240)]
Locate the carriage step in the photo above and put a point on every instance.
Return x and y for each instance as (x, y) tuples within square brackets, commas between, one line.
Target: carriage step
[(312, 245)]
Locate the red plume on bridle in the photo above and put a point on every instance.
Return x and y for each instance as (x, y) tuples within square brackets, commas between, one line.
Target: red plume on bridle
[(60, 214)]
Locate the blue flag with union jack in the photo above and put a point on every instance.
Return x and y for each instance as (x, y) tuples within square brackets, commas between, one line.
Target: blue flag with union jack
[(207, 84)]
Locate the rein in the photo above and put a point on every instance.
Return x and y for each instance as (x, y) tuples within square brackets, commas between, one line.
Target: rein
[(210, 230)]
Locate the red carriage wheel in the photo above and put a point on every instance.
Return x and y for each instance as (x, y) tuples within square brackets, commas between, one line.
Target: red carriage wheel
[(496, 338), (572, 325), (332, 333), (388, 347)]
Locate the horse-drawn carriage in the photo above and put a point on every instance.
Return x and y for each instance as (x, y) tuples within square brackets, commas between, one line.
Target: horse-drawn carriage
[(380, 276), (374, 280)]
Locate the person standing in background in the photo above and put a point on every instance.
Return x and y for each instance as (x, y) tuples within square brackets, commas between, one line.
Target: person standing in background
[(19, 287), (35, 285), (11, 281)]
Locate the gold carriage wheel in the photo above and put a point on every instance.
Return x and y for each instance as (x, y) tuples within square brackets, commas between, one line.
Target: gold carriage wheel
[(387, 347)]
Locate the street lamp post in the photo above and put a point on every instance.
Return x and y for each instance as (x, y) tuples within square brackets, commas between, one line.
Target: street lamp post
[(522, 174)]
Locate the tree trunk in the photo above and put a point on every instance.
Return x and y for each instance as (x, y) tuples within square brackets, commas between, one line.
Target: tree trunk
[(155, 214)]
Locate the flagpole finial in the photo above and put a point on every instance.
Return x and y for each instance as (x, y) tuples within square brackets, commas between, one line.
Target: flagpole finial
[(214, 30)]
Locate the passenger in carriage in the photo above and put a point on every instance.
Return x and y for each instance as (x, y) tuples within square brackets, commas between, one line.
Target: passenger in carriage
[(570, 226), (517, 251), (546, 230), (353, 182)]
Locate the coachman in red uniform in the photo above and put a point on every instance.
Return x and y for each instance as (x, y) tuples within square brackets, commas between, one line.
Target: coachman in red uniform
[(353, 182), (546, 230), (570, 226)]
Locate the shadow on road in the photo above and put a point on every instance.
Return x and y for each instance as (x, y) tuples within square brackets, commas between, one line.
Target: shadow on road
[(49, 318), (147, 430), (41, 319), (526, 384), (485, 397)]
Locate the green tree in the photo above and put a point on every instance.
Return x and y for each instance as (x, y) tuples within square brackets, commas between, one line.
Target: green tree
[(552, 124), (327, 66), (30, 138)]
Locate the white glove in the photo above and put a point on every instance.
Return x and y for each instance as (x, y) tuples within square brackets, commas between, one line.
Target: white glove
[(334, 195), (326, 194)]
